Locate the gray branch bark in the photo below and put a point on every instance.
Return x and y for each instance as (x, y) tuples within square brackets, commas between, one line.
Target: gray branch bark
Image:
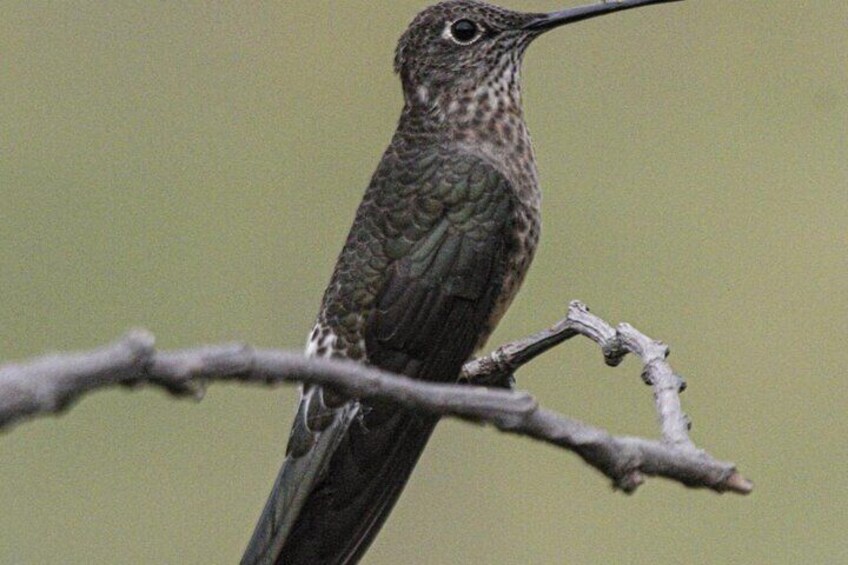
[(50, 384)]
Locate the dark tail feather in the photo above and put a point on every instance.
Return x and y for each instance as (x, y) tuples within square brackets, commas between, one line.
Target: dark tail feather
[(300, 472), (366, 474)]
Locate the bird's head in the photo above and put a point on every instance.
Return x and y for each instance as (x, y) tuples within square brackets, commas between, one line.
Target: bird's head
[(467, 48)]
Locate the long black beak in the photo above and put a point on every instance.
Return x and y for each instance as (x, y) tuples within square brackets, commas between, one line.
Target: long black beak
[(571, 15)]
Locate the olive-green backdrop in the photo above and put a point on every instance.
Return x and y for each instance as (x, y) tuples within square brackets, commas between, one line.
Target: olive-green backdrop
[(192, 168)]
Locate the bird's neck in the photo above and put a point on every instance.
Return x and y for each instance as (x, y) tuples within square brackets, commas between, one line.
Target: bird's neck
[(476, 105), (486, 121), (485, 115)]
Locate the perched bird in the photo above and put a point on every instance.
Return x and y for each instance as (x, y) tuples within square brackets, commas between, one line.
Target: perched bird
[(438, 249)]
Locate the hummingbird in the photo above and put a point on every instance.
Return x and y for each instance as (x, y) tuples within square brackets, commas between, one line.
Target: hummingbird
[(438, 249)]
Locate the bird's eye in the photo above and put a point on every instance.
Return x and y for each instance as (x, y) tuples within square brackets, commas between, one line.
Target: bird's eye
[(464, 32)]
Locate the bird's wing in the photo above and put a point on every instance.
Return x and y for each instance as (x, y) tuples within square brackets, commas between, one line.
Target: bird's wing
[(442, 237), (447, 272)]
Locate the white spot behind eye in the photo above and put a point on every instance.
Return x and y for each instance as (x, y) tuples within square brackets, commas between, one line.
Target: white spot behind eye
[(446, 33)]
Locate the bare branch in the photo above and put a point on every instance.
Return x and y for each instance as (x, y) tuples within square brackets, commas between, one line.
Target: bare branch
[(50, 384), (615, 344)]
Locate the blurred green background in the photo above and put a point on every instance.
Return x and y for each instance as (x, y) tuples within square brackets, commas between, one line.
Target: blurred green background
[(193, 168)]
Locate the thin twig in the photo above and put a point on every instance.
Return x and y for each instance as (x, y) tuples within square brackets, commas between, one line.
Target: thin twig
[(615, 345), (50, 384)]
